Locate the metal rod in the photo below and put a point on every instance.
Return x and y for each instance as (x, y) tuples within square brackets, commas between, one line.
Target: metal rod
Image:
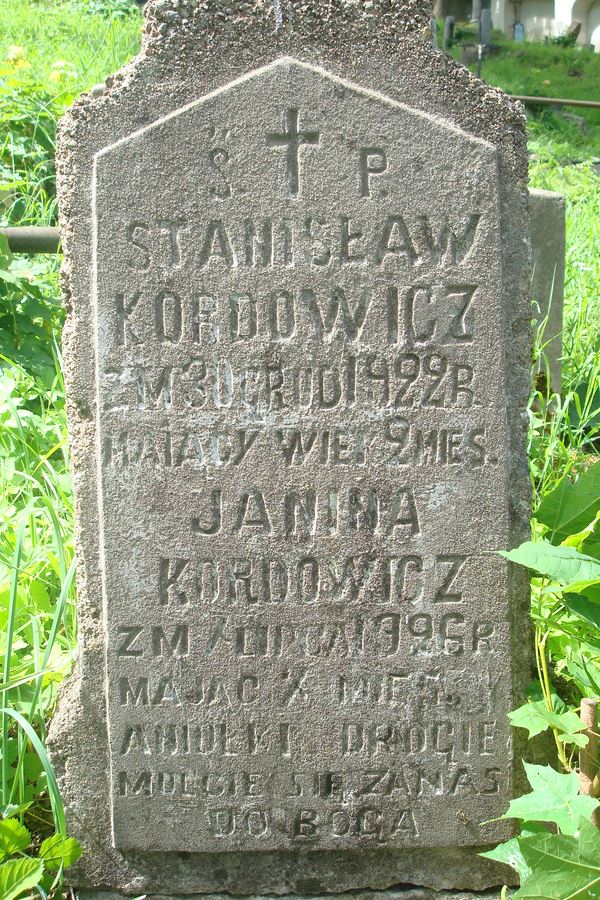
[(588, 755), (556, 101), (32, 239)]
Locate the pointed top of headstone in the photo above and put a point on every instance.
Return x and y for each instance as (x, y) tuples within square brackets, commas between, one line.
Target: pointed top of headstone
[(207, 42)]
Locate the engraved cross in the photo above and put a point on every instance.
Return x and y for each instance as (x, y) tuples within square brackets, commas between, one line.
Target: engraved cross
[(292, 139)]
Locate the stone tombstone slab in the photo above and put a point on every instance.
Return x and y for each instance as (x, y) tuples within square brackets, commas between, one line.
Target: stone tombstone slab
[(298, 415), (297, 356), (548, 239)]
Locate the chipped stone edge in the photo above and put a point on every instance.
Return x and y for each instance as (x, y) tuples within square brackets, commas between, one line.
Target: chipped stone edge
[(402, 892)]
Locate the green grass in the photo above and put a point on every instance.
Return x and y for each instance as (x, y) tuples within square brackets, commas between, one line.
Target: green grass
[(65, 49), (580, 186), (37, 610), (49, 52), (550, 71), (567, 432), (547, 70), (54, 31), (543, 70)]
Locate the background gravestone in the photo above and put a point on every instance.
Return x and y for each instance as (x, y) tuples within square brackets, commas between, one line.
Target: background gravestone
[(293, 259), (547, 228)]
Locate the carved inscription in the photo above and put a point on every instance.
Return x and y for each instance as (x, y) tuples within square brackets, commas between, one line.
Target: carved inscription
[(303, 462), (292, 140)]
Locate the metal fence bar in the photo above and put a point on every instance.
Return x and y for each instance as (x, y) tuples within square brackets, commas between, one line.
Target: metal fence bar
[(32, 239), (556, 101)]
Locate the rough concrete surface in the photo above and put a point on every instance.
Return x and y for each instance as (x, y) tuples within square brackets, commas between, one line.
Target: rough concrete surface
[(548, 242), (297, 358)]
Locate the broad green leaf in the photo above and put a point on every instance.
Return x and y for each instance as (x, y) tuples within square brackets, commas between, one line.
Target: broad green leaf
[(534, 692), (591, 589), (18, 876), (14, 837), (555, 798), (577, 540), (565, 564), (586, 674), (527, 716), (562, 866), (509, 852), (591, 545), (536, 717), (586, 609), (58, 850), (580, 740), (593, 593), (571, 506)]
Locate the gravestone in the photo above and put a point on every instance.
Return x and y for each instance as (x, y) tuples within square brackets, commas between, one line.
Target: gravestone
[(297, 357), (469, 54), (448, 38), (518, 32), (547, 228), (485, 26)]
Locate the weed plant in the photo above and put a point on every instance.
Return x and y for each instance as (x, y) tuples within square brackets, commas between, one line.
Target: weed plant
[(36, 554)]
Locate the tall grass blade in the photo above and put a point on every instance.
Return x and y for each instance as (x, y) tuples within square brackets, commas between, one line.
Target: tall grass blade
[(53, 791), (10, 628)]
